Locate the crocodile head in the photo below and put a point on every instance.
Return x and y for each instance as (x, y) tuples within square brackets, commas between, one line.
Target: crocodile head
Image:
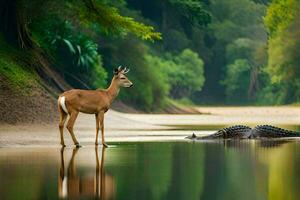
[(193, 136)]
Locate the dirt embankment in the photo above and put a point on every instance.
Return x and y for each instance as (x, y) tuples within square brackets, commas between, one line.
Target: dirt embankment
[(27, 94), (32, 105)]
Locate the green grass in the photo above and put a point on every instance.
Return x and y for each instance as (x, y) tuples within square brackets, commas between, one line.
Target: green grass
[(181, 102), (14, 66)]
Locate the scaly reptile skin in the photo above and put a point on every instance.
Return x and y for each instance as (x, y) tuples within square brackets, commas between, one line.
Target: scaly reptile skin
[(245, 132)]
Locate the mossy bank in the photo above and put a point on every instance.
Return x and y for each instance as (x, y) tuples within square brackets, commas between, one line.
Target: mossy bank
[(23, 98)]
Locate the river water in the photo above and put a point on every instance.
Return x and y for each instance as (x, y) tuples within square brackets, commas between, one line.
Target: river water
[(154, 170)]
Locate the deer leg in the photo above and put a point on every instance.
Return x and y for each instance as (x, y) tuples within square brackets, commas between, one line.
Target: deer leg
[(101, 120), (70, 126), (71, 167), (102, 183), (62, 163), (97, 172), (61, 173), (97, 128), (62, 120)]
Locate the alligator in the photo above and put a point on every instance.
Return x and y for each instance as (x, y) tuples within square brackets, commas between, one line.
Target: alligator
[(245, 132)]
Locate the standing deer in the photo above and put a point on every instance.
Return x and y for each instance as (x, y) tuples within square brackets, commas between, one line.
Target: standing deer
[(91, 102)]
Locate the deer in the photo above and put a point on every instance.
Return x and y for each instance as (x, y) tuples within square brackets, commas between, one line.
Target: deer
[(96, 102)]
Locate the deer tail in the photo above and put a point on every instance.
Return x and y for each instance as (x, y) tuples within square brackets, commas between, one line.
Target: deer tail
[(62, 104)]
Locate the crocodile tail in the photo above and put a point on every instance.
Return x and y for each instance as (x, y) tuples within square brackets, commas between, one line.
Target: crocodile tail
[(273, 132)]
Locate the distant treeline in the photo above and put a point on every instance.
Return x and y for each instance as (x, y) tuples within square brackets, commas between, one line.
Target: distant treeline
[(203, 51)]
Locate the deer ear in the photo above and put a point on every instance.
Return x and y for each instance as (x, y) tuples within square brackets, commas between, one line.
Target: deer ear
[(116, 71)]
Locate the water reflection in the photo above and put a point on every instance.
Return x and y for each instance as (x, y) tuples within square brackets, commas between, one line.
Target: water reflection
[(259, 143), (229, 170), (71, 185), (252, 170)]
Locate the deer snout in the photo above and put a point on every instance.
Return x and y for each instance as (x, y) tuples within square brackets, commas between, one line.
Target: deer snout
[(131, 85)]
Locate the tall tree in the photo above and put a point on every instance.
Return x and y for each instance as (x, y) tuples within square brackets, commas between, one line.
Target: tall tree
[(282, 20)]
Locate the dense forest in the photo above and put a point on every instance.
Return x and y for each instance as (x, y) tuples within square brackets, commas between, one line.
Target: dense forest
[(189, 51)]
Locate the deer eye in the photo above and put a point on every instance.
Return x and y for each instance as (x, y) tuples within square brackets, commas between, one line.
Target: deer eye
[(123, 78)]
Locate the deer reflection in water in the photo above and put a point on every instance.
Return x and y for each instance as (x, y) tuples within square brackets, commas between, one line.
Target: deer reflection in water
[(74, 186)]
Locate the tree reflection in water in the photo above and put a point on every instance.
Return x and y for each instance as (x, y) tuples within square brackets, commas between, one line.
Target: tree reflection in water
[(73, 185), (228, 170)]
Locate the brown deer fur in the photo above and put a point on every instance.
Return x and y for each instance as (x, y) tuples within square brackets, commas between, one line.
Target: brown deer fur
[(91, 102)]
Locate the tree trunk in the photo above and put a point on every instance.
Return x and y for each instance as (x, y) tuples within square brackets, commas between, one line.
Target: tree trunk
[(254, 82), (13, 24)]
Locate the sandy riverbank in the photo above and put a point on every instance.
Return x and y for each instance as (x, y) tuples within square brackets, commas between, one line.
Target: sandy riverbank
[(121, 127)]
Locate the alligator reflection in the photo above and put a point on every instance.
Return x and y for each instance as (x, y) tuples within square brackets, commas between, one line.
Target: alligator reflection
[(267, 143), (74, 186)]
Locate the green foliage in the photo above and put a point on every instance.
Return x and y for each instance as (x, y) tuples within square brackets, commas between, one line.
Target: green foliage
[(283, 62), (270, 95), (189, 75), (237, 80), (183, 73), (18, 76), (186, 101), (149, 91), (93, 15), (240, 48), (75, 53), (252, 53), (176, 40), (192, 10), (239, 34), (237, 19), (88, 38), (109, 19), (12, 68), (155, 77), (99, 75), (279, 14), (69, 32)]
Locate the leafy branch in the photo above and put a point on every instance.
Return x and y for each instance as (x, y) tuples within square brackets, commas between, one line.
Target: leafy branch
[(110, 19)]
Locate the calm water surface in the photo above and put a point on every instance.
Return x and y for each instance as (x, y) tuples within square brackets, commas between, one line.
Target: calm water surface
[(162, 170)]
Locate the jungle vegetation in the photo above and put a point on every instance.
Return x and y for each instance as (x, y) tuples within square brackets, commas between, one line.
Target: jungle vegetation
[(203, 51)]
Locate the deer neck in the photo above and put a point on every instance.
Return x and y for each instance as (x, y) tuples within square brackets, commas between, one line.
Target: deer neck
[(113, 90)]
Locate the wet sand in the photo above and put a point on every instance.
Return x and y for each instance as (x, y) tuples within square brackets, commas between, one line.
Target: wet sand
[(122, 127)]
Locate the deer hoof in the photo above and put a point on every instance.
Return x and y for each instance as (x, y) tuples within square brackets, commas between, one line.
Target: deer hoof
[(78, 145), (104, 144)]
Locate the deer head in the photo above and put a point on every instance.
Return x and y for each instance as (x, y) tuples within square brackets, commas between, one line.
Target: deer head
[(120, 77)]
